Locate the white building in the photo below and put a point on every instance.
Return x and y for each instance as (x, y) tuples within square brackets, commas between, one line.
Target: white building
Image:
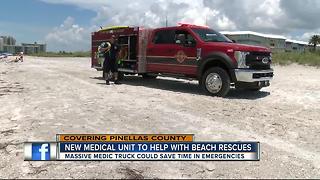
[(274, 42), (1, 44), (8, 40), (296, 46)]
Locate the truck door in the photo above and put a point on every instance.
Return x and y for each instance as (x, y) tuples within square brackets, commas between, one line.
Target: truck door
[(161, 51), (169, 52), (186, 54)]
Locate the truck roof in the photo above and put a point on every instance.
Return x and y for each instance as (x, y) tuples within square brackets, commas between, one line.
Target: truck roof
[(113, 28), (183, 25)]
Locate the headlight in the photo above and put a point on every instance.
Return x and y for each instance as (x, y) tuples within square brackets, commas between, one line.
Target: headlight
[(241, 58)]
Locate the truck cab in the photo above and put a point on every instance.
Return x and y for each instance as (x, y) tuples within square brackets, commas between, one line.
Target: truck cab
[(200, 53)]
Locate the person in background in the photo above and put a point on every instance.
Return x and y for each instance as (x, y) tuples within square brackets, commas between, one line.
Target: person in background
[(110, 63), (21, 56)]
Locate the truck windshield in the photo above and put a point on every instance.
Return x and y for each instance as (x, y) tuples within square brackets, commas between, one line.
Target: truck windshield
[(209, 35)]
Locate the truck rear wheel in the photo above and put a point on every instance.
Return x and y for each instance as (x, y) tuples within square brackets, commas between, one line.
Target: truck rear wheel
[(120, 76), (216, 82)]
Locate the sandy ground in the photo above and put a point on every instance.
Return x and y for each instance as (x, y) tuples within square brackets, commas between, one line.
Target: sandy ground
[(42, 97)]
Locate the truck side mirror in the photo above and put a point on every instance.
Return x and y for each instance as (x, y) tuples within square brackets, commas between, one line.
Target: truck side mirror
[(234, 41)]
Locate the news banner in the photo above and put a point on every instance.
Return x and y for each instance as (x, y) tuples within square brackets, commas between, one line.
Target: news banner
[(144, 147)]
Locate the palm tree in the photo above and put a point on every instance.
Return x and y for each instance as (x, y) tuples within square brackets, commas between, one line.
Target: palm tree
[(315, 40)]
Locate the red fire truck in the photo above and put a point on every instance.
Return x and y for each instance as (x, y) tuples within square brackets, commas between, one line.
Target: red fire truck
[(188, 51)]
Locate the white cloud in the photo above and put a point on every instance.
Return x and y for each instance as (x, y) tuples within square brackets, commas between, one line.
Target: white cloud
[(69, 37), (306, 36), (268, 16), (301, 14), (85, 4)]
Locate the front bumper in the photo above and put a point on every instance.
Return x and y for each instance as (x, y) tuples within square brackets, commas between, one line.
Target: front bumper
[(249, 75)]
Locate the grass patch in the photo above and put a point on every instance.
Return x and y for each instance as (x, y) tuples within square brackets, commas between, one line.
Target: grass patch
[(282, 58), (64, 54), (306, 58)]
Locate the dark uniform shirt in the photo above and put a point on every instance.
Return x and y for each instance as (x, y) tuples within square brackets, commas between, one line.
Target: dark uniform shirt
[(112, 53), (110, 63)]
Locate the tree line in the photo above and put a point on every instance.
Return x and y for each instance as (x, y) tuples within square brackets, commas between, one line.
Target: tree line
[(314, 40)]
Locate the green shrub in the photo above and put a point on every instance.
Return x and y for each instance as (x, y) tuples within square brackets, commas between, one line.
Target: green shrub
[(282, 58), (306, 58), (64, 54)]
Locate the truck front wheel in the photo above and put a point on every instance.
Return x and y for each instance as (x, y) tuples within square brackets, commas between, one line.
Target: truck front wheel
[(216, 82)]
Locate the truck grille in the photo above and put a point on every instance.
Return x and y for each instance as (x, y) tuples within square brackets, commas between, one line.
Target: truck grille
[(258, 60)]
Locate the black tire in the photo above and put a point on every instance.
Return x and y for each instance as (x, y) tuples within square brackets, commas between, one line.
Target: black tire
[(149, 76), (222, 87), (120, 76)]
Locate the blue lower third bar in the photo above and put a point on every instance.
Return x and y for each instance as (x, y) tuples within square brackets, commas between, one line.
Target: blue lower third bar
[(175, 156), (149, 151), (160, 147), (200, 151)]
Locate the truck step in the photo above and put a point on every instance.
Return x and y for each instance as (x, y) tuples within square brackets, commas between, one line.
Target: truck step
[(127, 70)]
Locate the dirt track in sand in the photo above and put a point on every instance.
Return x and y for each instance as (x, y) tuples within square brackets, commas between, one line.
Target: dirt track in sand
[(42, 97)]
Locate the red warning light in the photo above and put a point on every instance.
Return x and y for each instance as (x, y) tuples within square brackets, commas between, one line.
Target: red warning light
[(191, 25)]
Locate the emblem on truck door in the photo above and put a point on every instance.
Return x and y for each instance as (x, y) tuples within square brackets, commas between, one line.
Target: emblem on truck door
[(181, 56)]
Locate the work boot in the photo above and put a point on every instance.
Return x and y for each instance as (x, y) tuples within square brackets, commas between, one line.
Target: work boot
[(117, 82), (107, 82)]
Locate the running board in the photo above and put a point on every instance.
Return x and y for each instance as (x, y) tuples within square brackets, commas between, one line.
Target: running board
[(177, 76), (127, 70)]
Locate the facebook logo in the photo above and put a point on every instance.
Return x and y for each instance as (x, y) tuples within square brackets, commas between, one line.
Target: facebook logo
[(40, 152)]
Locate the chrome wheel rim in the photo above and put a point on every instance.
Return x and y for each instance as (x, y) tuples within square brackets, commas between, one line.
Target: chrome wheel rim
[(213, 83)]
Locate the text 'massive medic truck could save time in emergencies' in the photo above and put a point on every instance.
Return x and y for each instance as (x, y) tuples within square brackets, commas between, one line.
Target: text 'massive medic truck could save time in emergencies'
[(188, 51)]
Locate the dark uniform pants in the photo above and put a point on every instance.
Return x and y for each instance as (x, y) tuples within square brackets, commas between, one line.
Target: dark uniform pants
[(109, 65)]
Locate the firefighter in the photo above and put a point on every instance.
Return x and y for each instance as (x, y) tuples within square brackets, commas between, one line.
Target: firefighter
[(110, 61)]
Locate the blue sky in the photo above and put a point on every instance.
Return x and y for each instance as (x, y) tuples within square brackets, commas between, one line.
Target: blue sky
[(67, 24), (31, 20)]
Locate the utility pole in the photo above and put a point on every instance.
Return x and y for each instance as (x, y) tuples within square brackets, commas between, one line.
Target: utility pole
[(166, 21), (206, 21)]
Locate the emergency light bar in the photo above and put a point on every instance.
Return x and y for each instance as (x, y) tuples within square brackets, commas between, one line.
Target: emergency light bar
[(191, 25)]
